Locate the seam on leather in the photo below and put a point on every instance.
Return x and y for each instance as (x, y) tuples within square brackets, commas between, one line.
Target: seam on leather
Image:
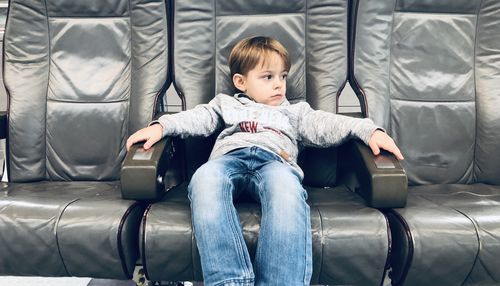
[(306, 47), (131, 47), (56, 234), (322, 241), (432, 13), (389, 71), (90, 18), (474, 176), (7, 145), (87, 102), (143, 243), (48, 83), (473, 222), (275, 14)]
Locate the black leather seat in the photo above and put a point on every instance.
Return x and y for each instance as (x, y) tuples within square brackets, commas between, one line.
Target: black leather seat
[(81, 76), (350, 240), (428, 71)]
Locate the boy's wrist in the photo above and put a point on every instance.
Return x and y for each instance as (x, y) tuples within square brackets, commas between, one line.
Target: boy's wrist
[(158, 126)]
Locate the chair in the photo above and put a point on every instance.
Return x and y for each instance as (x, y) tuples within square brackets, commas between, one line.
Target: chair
[(428, 71), (350, 240), (81, 76)]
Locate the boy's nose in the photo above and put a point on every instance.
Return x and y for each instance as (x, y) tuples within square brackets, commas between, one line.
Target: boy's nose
[(278, 84)]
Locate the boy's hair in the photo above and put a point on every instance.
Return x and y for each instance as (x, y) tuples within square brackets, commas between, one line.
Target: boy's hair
[(247, 53)]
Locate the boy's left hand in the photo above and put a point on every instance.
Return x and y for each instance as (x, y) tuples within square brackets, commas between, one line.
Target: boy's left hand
[(380, 140)]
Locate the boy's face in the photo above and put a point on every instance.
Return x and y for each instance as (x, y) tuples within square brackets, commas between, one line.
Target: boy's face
[(266, 83)]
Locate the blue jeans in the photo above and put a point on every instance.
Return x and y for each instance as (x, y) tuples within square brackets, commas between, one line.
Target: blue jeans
[(284, 249)]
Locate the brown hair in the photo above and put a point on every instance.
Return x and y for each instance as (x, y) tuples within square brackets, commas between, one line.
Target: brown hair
[(247, 53)]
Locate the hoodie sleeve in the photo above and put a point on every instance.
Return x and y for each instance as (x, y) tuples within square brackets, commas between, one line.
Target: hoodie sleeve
[(323, 129), (202, 120)]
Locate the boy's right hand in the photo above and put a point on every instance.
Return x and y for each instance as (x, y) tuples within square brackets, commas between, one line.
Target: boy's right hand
[(150, 134)]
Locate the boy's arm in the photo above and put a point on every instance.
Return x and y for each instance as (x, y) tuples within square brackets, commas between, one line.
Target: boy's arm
[(323, 129), (202, 120)]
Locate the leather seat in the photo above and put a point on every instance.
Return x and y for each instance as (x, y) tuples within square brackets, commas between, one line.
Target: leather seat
[(81, 76), (350, 240), (428, 72)]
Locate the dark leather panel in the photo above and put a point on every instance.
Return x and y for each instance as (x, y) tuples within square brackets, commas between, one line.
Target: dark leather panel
[(76, 224), (443, 243), (454, 235), (371, 56), (416, 74), (26, 65), (457, 6), (348, 238), (428, 71), (430, 149), (84, 8), (150, 72), (80, 75), (79, 49), (431, 63), (70, 156), (235, 7), (81, 69), (326, 52), (487, 156), (480, 204)]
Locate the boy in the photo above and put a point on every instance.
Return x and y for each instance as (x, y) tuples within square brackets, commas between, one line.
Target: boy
[(256, 153)]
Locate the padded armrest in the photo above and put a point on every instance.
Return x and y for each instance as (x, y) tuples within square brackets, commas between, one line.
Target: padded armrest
[(144, 174), (3, 124), (381, 180)]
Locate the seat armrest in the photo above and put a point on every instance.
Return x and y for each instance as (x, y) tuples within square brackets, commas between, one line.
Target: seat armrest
[(380, 180), (146, 175), (3, 124)]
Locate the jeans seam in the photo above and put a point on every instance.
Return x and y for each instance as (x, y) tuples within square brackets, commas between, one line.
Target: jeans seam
[(245, 281), (228, 210), (308, 238)]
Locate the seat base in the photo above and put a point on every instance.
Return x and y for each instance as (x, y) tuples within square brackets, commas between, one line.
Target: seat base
[(53, 228), (348, 238)]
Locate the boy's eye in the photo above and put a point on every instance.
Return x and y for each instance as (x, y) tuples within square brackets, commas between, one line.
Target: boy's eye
[(268, 76), (284, 76)]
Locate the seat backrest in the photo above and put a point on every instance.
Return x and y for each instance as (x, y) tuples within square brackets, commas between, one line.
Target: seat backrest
[(81, 75), (430, 74), (204, 32)]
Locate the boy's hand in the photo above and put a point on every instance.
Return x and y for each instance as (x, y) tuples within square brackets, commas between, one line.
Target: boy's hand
[(150, 134), (379, 140)]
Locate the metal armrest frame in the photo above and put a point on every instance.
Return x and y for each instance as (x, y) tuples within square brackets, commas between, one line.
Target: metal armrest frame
[(380, 180), (147, 175)]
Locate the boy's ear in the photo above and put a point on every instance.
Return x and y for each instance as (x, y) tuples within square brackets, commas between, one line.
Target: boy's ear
[(239, 82)]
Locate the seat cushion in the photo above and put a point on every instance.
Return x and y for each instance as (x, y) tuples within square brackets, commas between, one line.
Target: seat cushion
[(448, 234), (54, 228), (348, 238)]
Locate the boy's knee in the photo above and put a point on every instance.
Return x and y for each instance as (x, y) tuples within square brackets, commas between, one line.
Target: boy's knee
[(208, 173)]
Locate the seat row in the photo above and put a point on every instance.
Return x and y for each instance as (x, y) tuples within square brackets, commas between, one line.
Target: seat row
[(82, 76)]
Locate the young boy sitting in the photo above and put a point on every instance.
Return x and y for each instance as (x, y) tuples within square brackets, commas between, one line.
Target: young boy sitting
[(257, 153)]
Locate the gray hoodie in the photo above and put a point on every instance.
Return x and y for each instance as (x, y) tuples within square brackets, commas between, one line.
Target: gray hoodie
[(280, 129)]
